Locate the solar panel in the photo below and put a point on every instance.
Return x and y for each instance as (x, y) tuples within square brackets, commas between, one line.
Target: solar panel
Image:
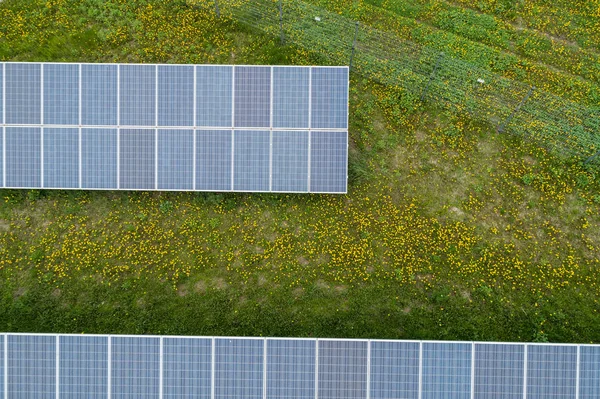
[(499, 371), (187, 365), (238, 368), (551, 371), (31, 366), (135, 366), (2, 357), (342, 369), (446, 371), (291, 369), (83, 367), (589, 372), (394, 370), (175, 127)]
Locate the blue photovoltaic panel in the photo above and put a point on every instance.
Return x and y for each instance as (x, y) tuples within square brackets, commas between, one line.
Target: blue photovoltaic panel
[(99, 158), (61, 158), (251, 160), (31, 366), (589, 372), (214, 92), (329, 98), (2, 366), (290, 369), (175, 159), (23, 157), (290, 161), (135, 367), (23, 93), (238, 368), (175, 95), (83, 367), (61, 94), (499, 371), (290, 97), (328, 162), (1, 91), (252, 96), (187, 368), (342, 370), (551, 371), (213, 160), (137, 159), (99, 95), (138, 95), (394, 370), (446, 371)]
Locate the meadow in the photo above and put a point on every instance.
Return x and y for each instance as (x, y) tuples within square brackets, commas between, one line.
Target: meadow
[(449, 230)]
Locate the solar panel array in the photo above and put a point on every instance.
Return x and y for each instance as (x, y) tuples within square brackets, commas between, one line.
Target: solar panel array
[(174, 127), (96, 366)]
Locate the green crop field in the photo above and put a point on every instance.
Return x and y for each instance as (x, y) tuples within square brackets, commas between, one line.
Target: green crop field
[(449, 230)]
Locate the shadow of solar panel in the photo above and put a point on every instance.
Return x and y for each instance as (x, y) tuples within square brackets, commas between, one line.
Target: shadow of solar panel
[(31, 366), (290, 161), (137, 159), (138, 95), (61, 158), (175, 95), (83, 367), (213, 160), (589, 372), (446, 371), (329, 98), (99, 158), (499, 371), (290, 97), (290, 369), (175, 159), (214, 92), (23, 157), (252, 96), (238, 368), (328, 162), (551, 371), (135, 366), (23, 93), (187, 367), (394, 370), (342, 369), (99, 94), (61, 94), (251, 160)]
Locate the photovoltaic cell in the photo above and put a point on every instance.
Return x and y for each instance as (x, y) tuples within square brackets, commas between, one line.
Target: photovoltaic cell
[(187, 368), (329, 98), (23, 93), (175, 159), (551, 371), (290, 97), (83, 367), (175, 95), (290, 369), (61, 158), (138, 95), (238, 368), (328, 161), (394, 370), (342, 369), (137, 159), (23, 157), (214, 92), (499, 371), (99, 158), (252, 96), (251, 160), (589, 372), (290, 161), (446, 371), (99, 95), (61, 94), (135, 367), (213, 160), (31, 366)]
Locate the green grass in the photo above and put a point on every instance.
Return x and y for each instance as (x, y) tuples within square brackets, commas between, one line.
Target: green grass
[(449, 230)]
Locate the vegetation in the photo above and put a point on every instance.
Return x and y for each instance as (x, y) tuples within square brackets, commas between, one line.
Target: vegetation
[(449, 230)]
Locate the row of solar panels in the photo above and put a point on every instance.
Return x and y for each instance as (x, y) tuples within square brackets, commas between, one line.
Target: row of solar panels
[(174, 159), (210, 96), (77, 366)]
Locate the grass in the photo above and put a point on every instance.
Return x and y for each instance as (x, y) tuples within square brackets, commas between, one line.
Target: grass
[(449, 230)]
